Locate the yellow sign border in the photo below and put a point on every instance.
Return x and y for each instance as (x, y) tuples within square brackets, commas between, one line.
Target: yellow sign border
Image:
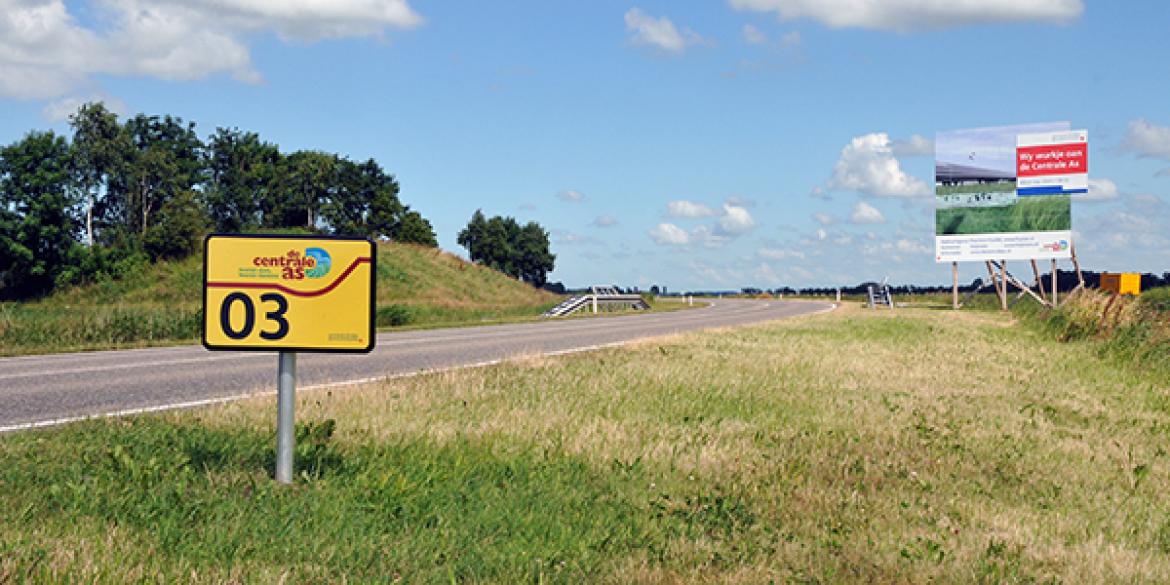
[(372, 334)]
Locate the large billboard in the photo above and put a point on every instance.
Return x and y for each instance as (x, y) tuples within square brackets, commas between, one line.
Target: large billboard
[(1005, 193)]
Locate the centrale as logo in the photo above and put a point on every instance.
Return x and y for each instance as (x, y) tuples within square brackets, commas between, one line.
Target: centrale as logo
[(322, 262)]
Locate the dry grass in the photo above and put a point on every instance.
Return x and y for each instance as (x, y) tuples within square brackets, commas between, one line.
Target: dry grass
[(885, 447), (912, 446)]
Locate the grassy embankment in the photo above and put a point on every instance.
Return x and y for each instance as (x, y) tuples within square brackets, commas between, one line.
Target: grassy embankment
[(860, 446), (417, 287)]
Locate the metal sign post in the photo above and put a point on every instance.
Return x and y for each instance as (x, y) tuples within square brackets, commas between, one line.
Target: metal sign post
[(286, 388)]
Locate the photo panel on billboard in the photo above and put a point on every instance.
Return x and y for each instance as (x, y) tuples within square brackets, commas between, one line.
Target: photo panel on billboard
[(1005, 192)]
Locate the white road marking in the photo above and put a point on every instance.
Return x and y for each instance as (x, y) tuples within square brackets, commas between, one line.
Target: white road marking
[(123, 366)]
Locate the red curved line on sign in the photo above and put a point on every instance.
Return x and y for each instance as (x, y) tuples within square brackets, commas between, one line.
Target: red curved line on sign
[(295, 293)]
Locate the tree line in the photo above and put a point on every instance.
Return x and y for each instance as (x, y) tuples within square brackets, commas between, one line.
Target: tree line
[(118, 193)]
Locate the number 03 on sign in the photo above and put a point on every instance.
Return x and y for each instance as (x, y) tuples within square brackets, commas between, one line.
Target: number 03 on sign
[(288, 293)]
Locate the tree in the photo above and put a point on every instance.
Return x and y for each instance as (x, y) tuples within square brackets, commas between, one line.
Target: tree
[(534, 260), (165, 159), (498, 245), (307, 181), (472, 236), (386, 210), (415, 229), (179, 228), (38, 214), (241, 175), (99, 145)]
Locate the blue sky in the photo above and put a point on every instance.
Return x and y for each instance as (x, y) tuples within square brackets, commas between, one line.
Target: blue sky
[(692, 145)]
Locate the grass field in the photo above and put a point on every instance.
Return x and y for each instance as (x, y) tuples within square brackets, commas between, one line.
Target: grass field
[(1036, 213), (912, 446), (417, 287)]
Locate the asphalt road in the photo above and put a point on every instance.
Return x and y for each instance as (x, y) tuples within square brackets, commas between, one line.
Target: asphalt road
[(49, 389)]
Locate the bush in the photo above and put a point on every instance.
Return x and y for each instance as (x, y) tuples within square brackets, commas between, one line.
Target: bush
[(1156, 301), (394, 316)]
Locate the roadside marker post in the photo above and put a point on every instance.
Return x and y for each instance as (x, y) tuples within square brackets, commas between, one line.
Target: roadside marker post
[(288, 294), (286, 388)]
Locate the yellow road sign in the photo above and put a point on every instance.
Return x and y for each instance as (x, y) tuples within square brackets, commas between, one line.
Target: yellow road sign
[(1125, 283), (288, 293)]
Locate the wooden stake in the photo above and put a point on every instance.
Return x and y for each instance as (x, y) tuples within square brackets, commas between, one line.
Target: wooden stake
[(1003, 280), (994, 281), (1055, 285), (955, 285), (1039, 281), (1104, 325), (1077, 266), (1025, 289)]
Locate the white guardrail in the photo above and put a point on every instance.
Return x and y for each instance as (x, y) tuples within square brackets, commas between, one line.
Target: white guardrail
[(603, 297)]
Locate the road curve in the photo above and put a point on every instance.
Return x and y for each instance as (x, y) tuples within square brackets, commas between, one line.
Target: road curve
[(49, 389)]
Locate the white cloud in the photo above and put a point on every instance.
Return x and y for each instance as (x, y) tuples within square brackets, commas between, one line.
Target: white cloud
[(824, 218), (908, 15), (668, 234), (571, 195), (709, 238), (864, 213), (765, 273), (45, 52), (908, 246), (753, 35), (570, 238), (316, 19), (689, 209), (1147, 203), (1099, 190), (791, 39), (735, 221), (916, 145), (60, 110), (604, 221), (779, 254), (1148, 140), (658, 32), (867, 164)]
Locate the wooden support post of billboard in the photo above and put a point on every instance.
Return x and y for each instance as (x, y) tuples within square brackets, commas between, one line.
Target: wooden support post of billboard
[(1039, 281), (994, 280), (1077, 267), (1025, 288), (955, 285), (1055, 285), (1003, 303)]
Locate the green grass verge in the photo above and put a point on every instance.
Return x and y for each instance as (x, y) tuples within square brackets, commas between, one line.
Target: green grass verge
[(913, 446), (1037, 213)]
